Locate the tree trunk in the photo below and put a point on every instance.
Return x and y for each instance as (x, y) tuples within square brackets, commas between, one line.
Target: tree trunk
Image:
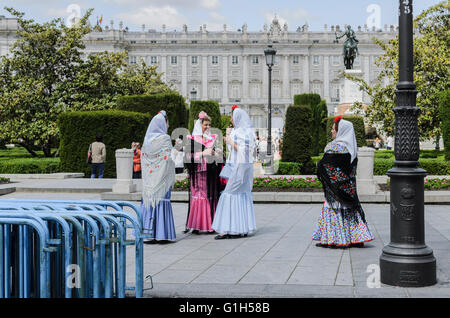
[(438, 138), (28, 148)]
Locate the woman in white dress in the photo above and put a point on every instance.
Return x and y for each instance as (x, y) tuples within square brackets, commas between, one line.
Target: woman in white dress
[(235, 215)]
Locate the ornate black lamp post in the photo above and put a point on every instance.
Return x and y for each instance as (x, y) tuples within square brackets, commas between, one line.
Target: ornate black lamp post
[(406, 261), (270, 56)]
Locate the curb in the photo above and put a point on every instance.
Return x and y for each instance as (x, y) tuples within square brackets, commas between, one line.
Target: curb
[(288, 197)]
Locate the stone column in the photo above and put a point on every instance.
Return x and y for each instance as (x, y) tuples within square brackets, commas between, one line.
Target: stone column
[(164, 67), (205, 77), (124, 170), (305, 74), (184, 76), (364, 173), (245, 92), (265, 73), (326, 78), (225, 79), (286, 71)]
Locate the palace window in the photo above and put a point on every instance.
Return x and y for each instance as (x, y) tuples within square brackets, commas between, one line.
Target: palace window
[(234, 59), (173, 60), (215, 60), (194, 60), (153, 59), (315, 60), (132, 59), (295, 59), (336, 59), (255, 59)]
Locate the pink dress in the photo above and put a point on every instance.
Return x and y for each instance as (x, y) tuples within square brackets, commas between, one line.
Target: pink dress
[(201, 206)]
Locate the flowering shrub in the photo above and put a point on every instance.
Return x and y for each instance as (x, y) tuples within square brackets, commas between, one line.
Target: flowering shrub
[(436, 184)]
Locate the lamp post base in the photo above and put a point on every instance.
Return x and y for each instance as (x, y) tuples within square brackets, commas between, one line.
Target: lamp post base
[(407, 267)]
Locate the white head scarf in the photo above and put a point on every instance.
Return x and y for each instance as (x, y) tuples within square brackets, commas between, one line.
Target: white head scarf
[(346, 136), (157, 127), (243, 134)]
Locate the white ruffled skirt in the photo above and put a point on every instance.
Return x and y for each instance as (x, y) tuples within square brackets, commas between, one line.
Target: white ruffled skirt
[(235, 214)]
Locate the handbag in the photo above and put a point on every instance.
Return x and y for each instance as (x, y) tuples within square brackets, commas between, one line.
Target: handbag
[(226, 171), (89, 158)]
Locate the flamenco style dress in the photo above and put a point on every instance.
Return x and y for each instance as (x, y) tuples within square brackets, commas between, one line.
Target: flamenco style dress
[(235, 214), (158, 177), (205, 185), (342, 221)]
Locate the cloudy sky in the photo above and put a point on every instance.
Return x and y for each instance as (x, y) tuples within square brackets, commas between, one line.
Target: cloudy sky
[(216, 13)]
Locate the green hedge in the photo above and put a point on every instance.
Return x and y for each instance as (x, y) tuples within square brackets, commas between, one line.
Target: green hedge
[(433, 166), (211, 107), (225, 122), (174, 105), (78, 131), (297, 138), (358, 125), (30, 166), (444, 107), (289, 168), (307, 99)]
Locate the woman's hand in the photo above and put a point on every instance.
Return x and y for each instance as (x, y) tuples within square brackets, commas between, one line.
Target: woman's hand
[(208, 152)]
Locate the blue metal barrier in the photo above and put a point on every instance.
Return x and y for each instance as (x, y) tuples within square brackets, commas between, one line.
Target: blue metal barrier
[(89, 234)]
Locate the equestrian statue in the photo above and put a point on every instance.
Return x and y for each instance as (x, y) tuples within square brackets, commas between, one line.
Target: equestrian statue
[(350, 49)]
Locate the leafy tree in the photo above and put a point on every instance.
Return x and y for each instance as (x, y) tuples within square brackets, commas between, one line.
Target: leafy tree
[(431, 74), (45, 74)]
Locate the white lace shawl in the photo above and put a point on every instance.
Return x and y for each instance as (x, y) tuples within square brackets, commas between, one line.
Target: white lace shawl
[(158, 169)]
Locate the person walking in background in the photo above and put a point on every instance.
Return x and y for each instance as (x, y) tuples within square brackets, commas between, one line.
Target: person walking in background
[(390, 143), (235, 216), (137, 172), (158, 178), (377, 143), (97, 151), (342, 222)]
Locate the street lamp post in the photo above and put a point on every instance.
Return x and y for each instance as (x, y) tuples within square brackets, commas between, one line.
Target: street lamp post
[(270, 56), (406, 261)]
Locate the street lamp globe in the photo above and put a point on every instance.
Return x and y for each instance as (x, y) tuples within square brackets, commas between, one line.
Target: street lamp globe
[(270, 55)]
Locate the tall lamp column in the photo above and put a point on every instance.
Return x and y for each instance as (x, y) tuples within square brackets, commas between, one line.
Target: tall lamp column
[(407, 261), (270, 56)]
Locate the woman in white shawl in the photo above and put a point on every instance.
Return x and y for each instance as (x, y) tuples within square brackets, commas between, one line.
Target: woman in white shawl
[(158, 177), (342, 222), (235, 215)]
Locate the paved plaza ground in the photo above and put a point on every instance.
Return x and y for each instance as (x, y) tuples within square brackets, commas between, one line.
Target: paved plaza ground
[(279, 260)]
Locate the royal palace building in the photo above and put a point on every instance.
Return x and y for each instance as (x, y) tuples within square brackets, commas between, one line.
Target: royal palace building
[(229, 66)]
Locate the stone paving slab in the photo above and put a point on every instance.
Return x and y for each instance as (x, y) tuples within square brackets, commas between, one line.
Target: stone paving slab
[(280, 259)]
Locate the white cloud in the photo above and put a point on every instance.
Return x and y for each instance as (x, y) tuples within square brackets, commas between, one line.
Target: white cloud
[(185, 4), (154, 17)]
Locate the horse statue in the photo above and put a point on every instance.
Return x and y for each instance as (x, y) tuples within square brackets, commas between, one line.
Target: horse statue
[(350, 49)]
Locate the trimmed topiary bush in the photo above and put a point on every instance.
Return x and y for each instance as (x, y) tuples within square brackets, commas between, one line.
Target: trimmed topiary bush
[(307, 99), (297, 137), (173, 103), (358, 125), (78, 131), (444, 107), (211, 107)]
